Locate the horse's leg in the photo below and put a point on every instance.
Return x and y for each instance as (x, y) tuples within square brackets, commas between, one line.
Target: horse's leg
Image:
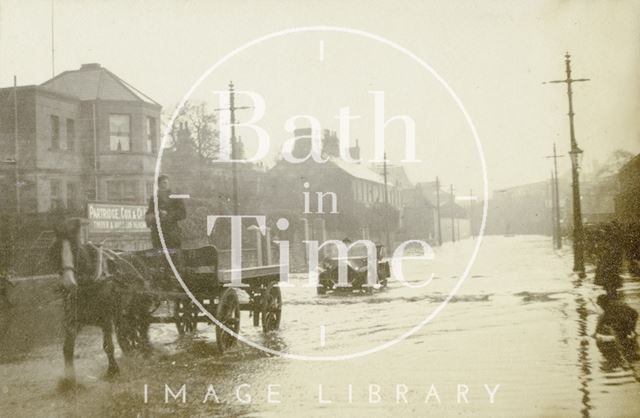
[(107, 344), (70, 332), (145, 322), (70, 326)]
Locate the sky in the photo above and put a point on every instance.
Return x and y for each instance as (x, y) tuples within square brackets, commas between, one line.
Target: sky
[(494, 55)]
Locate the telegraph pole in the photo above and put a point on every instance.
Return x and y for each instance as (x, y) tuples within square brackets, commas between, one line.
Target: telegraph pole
[(234, 165), (438, 210), (16, 226), (53, 50), (576, 152), (556, 198), (453, 229), (386, 202), (15, 142), (552, 199)]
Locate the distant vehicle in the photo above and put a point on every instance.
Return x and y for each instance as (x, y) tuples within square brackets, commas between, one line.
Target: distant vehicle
[(357, 271)]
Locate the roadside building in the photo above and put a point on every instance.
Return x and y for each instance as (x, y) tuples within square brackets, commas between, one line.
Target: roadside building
[(331, 200), (420, 214), (83, 136), (209, 184), (627, 202), (524, 209), (598, 196), (527, 208)]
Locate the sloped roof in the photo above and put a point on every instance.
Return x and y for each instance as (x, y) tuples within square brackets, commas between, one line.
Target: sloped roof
[(358, 171), (92, 82), (355, 170), (396, 175)]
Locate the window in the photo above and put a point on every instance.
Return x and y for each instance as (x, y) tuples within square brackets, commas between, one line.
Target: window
[(122, 191), (113, 191), (120, 132), (71, 134), (72, 196), (55, 187), (55, 132), (151, 134), (129, 190)]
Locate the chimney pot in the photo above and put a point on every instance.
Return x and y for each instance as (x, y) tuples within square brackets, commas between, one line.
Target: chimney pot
[(90, 66)]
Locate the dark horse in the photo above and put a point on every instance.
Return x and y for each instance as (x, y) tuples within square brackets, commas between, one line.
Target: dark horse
[(99, 292)]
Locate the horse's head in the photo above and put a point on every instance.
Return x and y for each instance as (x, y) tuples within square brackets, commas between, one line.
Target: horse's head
[(68, 237), (69, 230)]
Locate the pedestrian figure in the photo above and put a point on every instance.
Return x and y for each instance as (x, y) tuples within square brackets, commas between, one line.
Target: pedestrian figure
[(632, 249), (610, 257), (171, 211)]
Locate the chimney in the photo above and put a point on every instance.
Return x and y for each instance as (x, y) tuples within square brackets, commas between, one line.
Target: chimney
[(302, 147), (355, 151), (90, 66), (330, 144), (183, 135)]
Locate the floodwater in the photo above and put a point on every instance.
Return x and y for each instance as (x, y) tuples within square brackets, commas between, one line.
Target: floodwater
[(516, 339)]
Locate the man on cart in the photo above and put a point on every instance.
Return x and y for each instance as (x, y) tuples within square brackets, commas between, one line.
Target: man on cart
[(171, 211)]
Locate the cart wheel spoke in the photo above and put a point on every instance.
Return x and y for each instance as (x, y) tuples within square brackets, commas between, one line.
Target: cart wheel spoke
[(228, 313), (271, 308)]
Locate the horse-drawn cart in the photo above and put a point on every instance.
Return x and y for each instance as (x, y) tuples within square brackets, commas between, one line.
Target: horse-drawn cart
[(210, 286)]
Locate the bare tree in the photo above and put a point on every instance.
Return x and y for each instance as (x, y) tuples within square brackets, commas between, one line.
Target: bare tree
[(198, 121), (614, 163)]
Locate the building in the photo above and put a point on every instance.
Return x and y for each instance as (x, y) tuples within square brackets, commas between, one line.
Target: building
[(524, 209), (527, 208), (627, 202), (420, 214), (598, 195), (331, 200), (83, 136), (209, 184)]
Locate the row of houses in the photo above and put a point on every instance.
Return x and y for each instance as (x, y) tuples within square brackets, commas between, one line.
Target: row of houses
[(87, 137)]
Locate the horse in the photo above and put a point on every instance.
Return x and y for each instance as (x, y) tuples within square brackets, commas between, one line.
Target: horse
[(98, 291)]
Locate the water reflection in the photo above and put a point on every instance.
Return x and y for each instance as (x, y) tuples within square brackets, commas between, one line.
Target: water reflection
[(583, 351), (274, 341), (615, 333)]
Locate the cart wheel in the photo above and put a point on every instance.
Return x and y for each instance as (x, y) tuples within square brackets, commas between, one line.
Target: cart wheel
[(228, 312), (271, 308), (185, 316)]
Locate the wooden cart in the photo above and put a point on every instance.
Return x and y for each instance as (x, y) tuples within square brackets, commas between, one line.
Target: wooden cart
[(211, 287)]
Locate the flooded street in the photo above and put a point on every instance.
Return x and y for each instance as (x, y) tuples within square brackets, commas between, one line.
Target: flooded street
[(517, 339)]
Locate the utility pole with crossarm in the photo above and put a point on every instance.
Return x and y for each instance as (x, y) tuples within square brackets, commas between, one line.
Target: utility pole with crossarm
[(576, 154), (556, 199), (234, 165)]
